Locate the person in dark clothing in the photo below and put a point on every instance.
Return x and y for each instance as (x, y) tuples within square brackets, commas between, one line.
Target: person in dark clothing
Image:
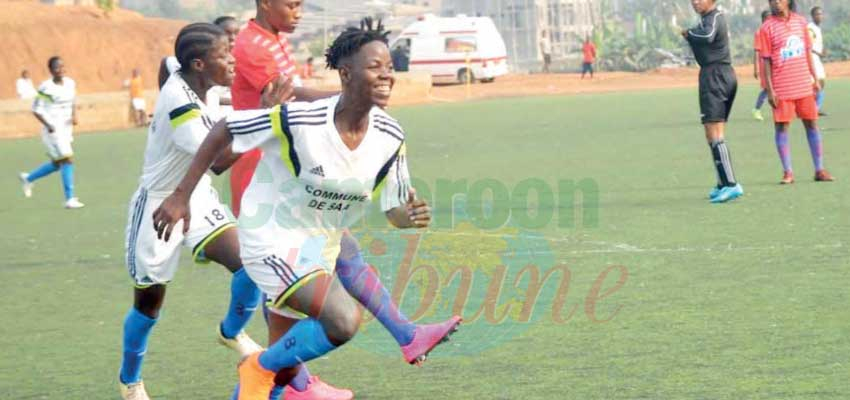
[(717, 88)]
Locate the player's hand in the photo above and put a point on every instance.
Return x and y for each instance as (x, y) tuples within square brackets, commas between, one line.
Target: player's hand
[(50, 128), (771, 99), (816, 85), (417, 210), (74, 120), (756, 74), (278, 91), (174, 209), (684, 33)]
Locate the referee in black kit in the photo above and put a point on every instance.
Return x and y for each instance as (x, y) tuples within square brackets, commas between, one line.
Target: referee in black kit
[(717, 88)]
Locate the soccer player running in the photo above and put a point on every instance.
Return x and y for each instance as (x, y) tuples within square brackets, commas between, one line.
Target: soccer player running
[(717, 88), (791, 83), (263, 53), (818, 53), (292, 258), (758, 70), (55, 109), (181, 122)]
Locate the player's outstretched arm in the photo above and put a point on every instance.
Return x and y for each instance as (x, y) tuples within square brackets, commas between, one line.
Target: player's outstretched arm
[(175, 208), (414, 214)]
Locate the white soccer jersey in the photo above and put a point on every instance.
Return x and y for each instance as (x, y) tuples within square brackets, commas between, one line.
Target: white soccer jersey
[(817, 37), (180, 124), (309, 185), (55, 103)]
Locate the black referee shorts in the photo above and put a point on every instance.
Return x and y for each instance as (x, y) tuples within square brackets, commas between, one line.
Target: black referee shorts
[(717, 89)]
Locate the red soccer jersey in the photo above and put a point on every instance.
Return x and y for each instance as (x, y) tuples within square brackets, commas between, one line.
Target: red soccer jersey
[(589, 52), (787, 44), (260, 57), (757, 46)]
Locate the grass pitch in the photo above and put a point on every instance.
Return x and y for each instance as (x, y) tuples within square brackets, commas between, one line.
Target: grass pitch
[(744, 300)]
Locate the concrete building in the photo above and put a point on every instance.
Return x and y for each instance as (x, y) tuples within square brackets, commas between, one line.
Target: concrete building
[(521, 23)]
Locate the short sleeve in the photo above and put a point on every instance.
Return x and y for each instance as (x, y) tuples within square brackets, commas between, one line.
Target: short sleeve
[(394, 191), (189, 126), (251, 128), (766, 45), (256, 66), (41, 99)]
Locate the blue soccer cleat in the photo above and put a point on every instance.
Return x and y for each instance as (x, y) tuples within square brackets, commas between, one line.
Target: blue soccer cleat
[(714, 192), (728, 193)]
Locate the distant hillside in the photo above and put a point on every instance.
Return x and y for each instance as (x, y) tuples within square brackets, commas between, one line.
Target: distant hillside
[(100, 51)]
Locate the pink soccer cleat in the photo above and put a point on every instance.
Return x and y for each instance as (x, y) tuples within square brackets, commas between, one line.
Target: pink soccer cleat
[(426, 337), (318, 390)]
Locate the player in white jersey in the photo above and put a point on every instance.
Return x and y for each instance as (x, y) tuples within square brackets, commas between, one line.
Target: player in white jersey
[(818, 53), (323, 163), (181, 122), (55, 109)]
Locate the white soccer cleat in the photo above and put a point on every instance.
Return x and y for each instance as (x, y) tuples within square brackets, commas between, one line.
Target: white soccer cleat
[(26, 185), (133, 391), (242, 343), (73, 203)]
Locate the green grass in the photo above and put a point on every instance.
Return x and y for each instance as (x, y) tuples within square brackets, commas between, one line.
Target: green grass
[(745, 300)]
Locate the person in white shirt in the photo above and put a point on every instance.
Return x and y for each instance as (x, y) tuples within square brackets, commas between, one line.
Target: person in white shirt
[(55, 109), (24, 86), (181, 122), (323, 164), (818, 53), (546, 50)]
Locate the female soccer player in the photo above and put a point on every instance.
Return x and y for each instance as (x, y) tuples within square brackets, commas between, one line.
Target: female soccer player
[(291, 240), (791, 83), (181, 122), (717, 88), (55, 109)]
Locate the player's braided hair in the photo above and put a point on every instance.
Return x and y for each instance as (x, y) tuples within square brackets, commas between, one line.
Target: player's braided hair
[(194, 41), (352, 39)]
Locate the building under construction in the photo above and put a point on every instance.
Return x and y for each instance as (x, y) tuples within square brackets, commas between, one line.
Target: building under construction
[(521, 22)]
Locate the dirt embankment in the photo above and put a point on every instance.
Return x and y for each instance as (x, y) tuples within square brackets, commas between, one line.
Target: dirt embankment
[(100, 50)]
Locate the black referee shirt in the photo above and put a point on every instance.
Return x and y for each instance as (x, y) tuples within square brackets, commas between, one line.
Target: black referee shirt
[(710, 40)]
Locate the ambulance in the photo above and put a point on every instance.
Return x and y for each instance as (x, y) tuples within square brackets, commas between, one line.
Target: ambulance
[(452, 49)]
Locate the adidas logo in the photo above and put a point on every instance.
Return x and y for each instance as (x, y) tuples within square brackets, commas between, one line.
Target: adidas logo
[(318, 171)]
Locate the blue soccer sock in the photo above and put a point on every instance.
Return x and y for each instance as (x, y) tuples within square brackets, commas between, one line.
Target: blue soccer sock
[(761, 99), (363, 283), (137, 329), (244, 298), (820, 98), (42, 170), (305, 341), (68, 179)]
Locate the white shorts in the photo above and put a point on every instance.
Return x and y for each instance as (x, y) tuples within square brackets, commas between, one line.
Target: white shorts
[(138, 104), (820, 71), (58, 143), (283, 270), (152, 261)]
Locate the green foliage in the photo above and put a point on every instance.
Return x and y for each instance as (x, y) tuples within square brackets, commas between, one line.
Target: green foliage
[(106, 5)]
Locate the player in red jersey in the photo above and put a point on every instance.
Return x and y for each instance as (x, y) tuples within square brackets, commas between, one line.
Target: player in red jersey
[(791, 83)]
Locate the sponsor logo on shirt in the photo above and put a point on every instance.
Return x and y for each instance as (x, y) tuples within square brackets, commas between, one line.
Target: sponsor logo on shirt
[(794, 47)]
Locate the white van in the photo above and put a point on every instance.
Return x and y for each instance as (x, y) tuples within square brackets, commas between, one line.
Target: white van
[(454, 49)]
